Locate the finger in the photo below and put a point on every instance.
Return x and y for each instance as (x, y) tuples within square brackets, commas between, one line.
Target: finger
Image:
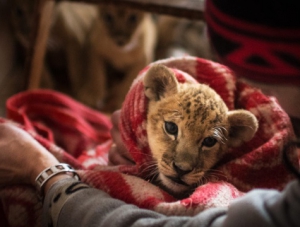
[(116, 136), (120, 149), (115, 118), (115, 158)]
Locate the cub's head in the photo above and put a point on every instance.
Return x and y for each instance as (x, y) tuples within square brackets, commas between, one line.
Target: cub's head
[(120, 22), (189, 128)]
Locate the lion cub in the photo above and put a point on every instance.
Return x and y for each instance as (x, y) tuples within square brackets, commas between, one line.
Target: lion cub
[(120, 44), (189, 129)]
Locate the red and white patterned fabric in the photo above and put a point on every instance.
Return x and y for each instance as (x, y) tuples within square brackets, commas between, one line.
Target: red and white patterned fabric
[(78, 135)]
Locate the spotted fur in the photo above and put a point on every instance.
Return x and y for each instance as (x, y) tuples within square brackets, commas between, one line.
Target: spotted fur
[(189, 128)]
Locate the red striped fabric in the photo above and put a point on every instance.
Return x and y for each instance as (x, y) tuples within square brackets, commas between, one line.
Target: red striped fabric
[(84, 140)]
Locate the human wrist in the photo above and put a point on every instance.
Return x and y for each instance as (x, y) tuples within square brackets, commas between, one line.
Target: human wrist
[(48, 176), (53, 180), (40, 165)]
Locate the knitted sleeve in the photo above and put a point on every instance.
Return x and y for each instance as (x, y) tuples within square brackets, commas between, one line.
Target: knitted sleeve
[(71, 203)]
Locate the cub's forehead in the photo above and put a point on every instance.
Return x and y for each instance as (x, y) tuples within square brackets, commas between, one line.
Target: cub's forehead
[(198, 105), (200, 95)]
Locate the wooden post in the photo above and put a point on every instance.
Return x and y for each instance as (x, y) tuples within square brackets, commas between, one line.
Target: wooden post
[(35, 61)]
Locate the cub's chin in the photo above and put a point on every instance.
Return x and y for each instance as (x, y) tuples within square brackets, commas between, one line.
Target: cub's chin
[(175, 187)]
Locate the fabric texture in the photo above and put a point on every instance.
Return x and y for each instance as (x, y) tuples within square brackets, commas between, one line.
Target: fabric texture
[(258, 40), (78, 135)]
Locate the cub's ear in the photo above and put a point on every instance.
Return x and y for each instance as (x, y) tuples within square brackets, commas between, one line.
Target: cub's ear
[(242, 127), (160, 82)]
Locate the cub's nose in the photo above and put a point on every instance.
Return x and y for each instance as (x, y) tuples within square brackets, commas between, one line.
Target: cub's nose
[(181, 169)]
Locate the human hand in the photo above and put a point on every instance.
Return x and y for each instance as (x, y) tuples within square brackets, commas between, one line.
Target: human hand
[(22, 158), (118, 153)]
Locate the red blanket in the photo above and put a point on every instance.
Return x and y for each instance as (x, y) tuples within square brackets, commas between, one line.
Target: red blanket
[(80, 136)]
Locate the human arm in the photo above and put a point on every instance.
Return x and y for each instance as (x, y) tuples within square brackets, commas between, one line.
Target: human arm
[(22, 158), (91, 207)]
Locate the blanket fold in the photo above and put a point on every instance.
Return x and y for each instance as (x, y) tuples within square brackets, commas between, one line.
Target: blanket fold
[(80, 136)]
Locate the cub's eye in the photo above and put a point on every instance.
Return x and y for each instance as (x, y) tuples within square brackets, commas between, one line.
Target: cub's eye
[(108, 18), (171, 128), (209, 141), (20, 13), (132, 19)]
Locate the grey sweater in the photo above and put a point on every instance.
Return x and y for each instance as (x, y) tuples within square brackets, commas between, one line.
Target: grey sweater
[(72, 203)]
